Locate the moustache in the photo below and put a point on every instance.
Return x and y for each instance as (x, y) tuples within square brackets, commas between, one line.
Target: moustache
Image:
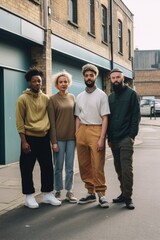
[(88, 80), (116, 83)]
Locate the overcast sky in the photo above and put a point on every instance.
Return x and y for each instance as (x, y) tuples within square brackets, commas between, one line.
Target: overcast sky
[(146, 23)]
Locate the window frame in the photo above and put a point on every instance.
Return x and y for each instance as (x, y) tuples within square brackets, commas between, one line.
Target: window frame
[(129, 45), (91, 17), (38, 2), (104, 22), (120, 37), (73, 12)]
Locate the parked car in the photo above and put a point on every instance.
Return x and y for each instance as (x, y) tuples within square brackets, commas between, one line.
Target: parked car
[(157, 106), (150, 107)]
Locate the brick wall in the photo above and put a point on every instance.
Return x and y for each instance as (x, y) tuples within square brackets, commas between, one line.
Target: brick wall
[(79, 34), (41, 55), (24, 8), (42, 58), (59, 25), (147, 82), (121, 12)]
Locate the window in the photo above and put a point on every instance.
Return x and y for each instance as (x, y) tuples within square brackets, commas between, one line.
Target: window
[(35, 1), (73, 11), (120, 49), (104, 24), (91, 17), (129, 44)]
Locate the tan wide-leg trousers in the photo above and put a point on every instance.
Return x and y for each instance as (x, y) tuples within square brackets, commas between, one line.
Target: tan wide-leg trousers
[(91, 162)]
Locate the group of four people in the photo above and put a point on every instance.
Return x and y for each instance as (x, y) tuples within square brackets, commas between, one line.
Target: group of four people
[(63, 123)]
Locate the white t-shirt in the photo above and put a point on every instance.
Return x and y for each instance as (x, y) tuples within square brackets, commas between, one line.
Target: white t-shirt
[(90, 107)]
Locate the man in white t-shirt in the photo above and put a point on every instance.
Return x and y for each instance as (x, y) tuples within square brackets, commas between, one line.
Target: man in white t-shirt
[(91, 112)]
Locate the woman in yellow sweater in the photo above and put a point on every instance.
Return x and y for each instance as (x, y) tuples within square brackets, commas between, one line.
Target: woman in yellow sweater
[(62, 133)]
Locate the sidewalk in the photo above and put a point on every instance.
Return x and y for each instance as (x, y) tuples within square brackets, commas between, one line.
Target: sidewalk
[(10, 180), (153, 121)]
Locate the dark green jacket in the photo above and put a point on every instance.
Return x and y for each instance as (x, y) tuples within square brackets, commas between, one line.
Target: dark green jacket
[(125, 114)]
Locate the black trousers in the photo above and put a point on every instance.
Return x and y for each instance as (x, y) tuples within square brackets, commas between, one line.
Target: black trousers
[(40, 151)]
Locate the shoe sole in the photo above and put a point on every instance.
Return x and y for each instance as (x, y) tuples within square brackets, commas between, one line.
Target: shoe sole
[(70, 201), (30, 206), (104, 205), (130, 208), (54, 204), (89, 201)]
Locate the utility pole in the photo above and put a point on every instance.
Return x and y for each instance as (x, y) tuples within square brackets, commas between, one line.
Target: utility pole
[(111, 33)]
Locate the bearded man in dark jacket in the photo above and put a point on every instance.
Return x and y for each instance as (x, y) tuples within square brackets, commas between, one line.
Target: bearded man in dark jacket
[(123, 128)]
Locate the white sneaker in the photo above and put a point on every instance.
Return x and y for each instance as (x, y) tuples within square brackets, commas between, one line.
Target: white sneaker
[(30, 201), (50, 198), (103, 202)]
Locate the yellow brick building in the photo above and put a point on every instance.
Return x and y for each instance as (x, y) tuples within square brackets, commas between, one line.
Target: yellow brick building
[(55, 35)]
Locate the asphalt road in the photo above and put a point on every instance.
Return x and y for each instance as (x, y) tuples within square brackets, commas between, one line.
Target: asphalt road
[(90, 222)]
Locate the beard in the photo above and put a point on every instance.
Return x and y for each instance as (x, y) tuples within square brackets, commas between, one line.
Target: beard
[(89, 83), (117, 87), (35, 90)]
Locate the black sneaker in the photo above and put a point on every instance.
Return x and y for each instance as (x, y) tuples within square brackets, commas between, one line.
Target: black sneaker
[(103, 202), (88, 199), (129, 204), (119, 199)]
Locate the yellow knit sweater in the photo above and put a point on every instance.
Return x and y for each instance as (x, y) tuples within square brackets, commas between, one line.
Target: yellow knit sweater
[(31, 114)]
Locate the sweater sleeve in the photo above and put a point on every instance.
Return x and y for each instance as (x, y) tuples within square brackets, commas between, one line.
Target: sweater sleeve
[(51, 114), (135, 119), (20, 115)]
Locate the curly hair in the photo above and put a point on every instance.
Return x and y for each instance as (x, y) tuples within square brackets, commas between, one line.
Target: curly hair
[(59, 74), (33, 72)]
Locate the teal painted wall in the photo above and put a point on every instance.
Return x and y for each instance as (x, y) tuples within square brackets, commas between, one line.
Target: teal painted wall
[(14, 61), (2, 145), (14, 84), (15, 55)]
